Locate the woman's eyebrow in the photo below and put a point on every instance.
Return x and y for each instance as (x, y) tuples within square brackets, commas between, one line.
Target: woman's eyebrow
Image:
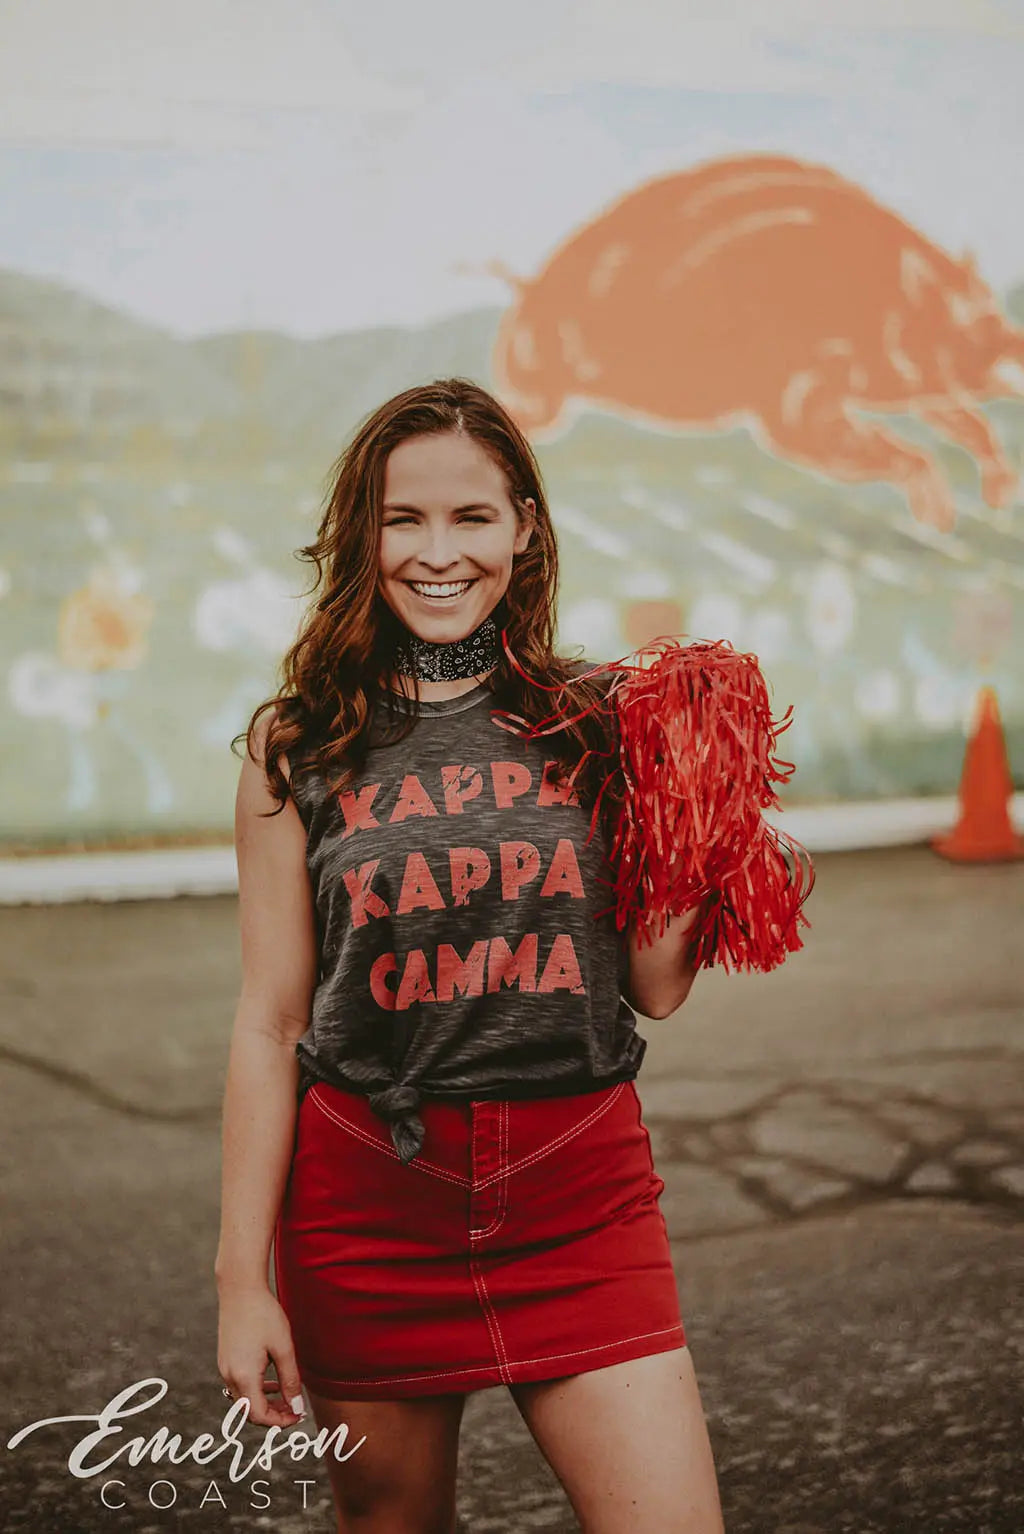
[(473, 506)]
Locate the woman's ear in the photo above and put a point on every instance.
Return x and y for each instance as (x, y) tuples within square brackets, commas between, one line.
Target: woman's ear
[(525, 516)]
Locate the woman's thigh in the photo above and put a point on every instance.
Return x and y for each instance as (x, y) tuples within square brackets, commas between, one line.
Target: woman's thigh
[(630, 1445), (401, 1479)]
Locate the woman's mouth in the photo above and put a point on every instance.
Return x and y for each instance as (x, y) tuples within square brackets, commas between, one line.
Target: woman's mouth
[(441, 593)]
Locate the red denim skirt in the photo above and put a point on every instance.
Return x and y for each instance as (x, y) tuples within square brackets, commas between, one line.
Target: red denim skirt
[(524, 1242)]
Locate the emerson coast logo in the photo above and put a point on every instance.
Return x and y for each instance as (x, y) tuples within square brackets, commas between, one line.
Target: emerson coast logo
[(108, 1450)]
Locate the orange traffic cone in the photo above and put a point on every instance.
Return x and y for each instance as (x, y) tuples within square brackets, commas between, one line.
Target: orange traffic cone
[(984, 832)]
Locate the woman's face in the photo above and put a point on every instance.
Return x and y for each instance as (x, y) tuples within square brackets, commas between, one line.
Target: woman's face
[(449, 533)]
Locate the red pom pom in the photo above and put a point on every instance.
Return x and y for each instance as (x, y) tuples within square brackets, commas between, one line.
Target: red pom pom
[(696, 752)]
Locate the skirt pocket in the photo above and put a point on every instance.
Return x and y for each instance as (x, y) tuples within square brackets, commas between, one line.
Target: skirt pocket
[(597, 1174)]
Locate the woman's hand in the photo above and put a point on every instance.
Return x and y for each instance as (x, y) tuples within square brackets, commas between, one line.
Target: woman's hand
[(252, 1329)]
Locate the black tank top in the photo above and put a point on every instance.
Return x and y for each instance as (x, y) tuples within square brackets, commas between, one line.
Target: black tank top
[(461, 950)]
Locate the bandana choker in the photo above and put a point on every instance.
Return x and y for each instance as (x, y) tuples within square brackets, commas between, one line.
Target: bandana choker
[(449, 662)]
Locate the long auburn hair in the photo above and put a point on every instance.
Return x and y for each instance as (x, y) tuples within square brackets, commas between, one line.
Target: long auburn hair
[(344, 650)]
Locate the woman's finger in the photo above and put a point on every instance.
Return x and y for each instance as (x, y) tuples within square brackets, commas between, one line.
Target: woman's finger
[(291, 1384), (252, 1387)]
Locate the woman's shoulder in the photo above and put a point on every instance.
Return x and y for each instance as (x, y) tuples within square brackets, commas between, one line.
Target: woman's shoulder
[(597, 671), (300, 761), (586, 663)]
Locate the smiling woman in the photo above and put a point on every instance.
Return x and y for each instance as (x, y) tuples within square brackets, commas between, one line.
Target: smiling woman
[(443, 566), (430, 1108)]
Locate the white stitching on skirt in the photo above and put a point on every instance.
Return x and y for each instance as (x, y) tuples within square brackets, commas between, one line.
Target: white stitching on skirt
[(497, 1341), (600, 1347), (418, 1164), (501, 1174), (454, 1177), (561, 1139), (475, 1236)]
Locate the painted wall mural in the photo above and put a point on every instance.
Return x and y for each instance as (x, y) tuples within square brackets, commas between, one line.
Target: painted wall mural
[(760, 289), (773, 369)]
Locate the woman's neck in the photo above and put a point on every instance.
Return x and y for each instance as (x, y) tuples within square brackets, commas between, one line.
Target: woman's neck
[(439, 692), (435, 671)]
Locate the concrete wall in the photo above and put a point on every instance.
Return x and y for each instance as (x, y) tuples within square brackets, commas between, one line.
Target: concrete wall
[(754, 293)]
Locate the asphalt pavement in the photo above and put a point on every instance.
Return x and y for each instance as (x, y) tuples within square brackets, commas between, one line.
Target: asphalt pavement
[(842, 1144)]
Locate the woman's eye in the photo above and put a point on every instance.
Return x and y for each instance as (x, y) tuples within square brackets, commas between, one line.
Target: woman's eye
[(398, 521)]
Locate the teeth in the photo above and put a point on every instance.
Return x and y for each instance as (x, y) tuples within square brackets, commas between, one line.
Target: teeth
[(436, 589)]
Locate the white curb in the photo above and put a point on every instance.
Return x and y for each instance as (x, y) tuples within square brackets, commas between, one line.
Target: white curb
[(161, 874)]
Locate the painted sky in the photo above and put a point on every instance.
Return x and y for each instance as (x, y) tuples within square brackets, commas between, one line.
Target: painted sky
[(314, 166)]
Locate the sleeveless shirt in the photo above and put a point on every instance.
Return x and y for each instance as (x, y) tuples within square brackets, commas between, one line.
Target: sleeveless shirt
[(458, 901)]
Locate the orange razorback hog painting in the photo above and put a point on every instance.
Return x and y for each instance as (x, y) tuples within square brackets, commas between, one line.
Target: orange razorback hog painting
[(764, 290)]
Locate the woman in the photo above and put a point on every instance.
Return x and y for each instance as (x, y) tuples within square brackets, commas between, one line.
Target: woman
[(430, 1105)]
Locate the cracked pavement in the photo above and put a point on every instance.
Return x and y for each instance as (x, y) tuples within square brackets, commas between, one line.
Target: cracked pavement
[(842, 1145)]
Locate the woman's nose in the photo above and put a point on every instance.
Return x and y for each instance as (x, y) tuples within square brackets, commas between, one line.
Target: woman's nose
[(439, 548)]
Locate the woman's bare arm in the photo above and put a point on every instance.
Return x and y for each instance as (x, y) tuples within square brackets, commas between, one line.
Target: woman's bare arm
[(660, 973), (279, 969)]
